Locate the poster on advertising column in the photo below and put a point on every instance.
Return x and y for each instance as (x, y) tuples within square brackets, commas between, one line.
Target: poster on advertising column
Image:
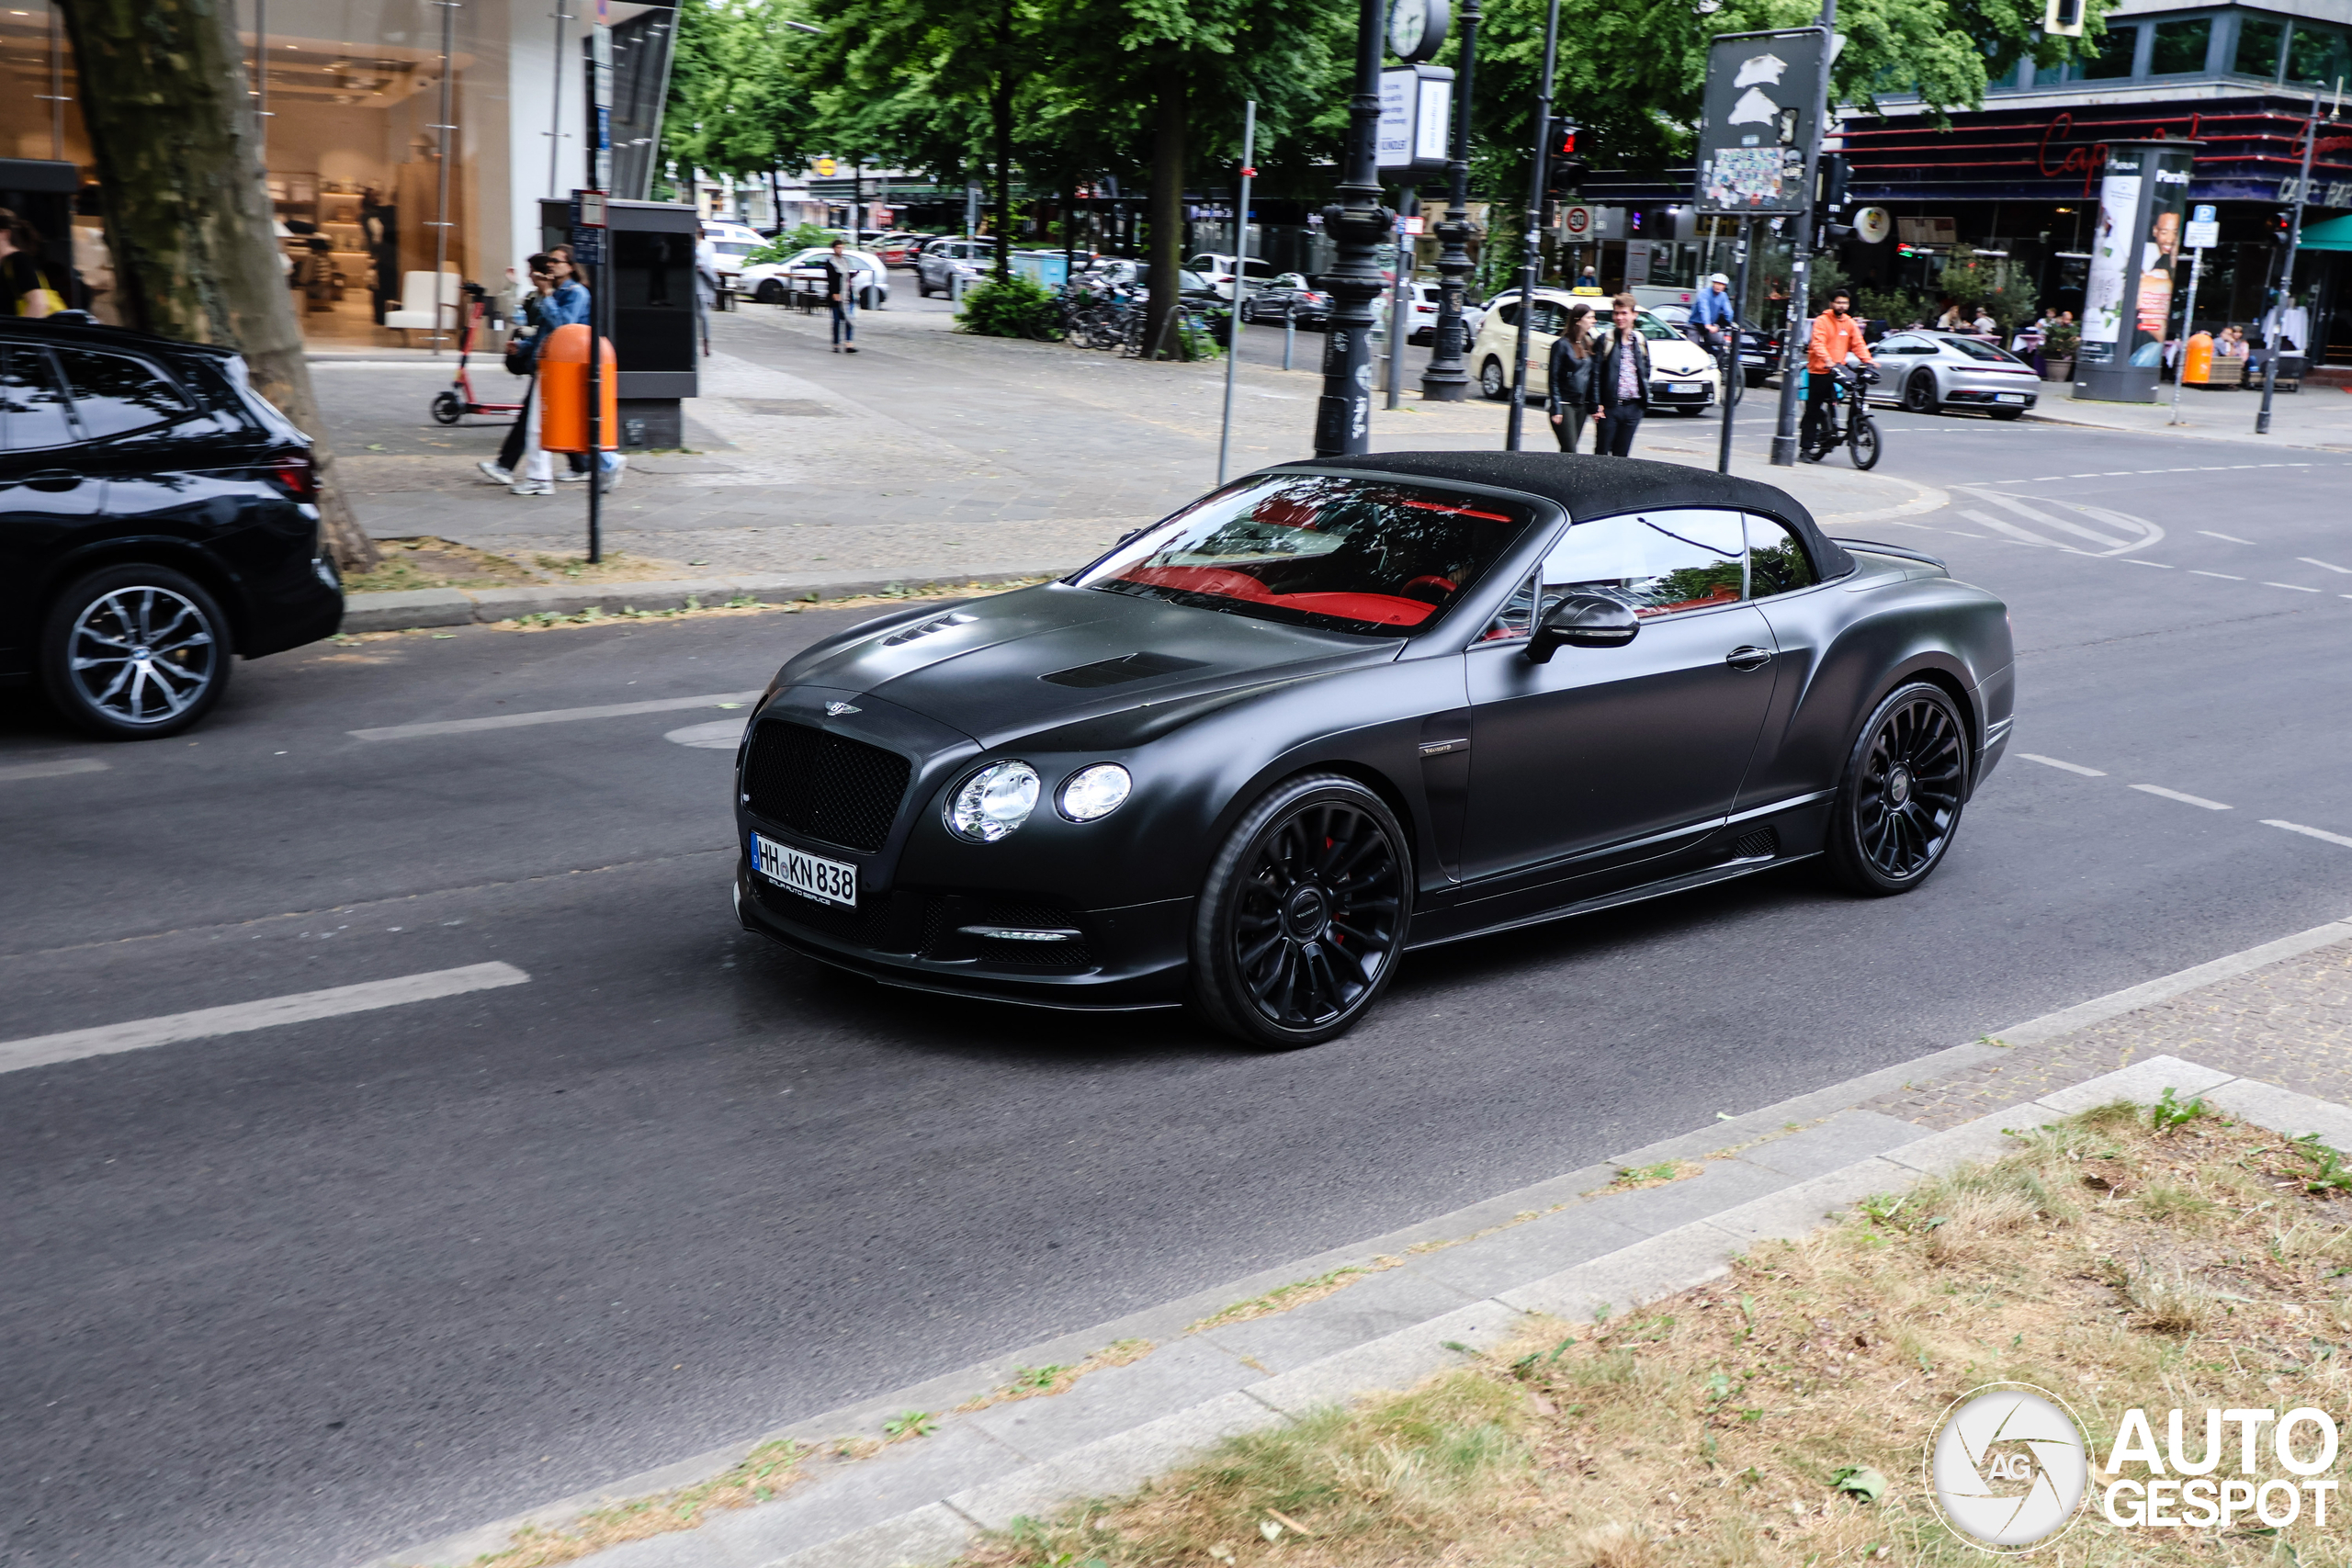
[(2136, 256)]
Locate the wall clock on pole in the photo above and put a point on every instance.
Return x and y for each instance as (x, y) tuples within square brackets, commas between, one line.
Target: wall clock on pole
[(1417, 29)]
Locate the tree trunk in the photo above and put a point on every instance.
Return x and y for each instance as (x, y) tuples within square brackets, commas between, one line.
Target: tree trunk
[(1167, 216), (165, 102), (1000, 111)]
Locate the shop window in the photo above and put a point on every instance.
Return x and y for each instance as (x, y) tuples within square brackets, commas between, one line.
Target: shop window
[(2258, 52), (2180, 46), (2114, 56), (2318, 54)]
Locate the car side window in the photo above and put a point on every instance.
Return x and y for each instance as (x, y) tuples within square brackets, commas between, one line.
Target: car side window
[(1517, 617), (1509, 311), (32, 407), (114, 393), (1775, 559), (1549, 318), (1658, 563)]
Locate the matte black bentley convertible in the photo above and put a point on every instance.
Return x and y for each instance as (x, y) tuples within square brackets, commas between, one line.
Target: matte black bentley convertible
[(1338, 710)]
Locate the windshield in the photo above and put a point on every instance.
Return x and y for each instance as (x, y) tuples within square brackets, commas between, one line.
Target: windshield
[(1377, 558)]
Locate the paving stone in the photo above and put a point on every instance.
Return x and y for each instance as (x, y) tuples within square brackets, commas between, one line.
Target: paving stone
[(1846, 1137), (2285, 1110), (1634, 1277), (1800, 1209), (1365, 1310), (1528, 1251), (1395, 1361), (1982, 1139), (1113, 1465), (1173, 1377), (2141, 1082), (933, 1533), (1719, 1184)]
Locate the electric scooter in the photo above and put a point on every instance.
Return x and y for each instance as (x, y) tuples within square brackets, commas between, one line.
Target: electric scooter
[(452, 403)]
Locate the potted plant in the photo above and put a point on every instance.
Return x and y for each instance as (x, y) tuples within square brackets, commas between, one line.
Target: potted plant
[(2058, 353)]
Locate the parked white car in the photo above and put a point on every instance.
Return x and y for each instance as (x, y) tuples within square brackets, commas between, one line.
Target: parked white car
[(1421, 302), (769, 282), (1682, 378), (734, 241), (1218, 269)]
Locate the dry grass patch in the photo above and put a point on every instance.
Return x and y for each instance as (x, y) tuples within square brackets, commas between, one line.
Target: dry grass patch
[(1633, 1178), (427, 561), (1295, 1294), (1752, 1421), (765, 1471), (1030, 1382)]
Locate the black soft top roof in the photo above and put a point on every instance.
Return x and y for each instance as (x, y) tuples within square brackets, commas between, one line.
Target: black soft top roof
[(1600, 487), (95, 334)]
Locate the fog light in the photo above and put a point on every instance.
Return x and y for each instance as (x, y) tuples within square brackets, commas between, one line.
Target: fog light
[(993, 802)]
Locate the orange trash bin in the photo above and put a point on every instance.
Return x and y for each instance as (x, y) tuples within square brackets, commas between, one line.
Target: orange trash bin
[(563, 392), (2197, 360)]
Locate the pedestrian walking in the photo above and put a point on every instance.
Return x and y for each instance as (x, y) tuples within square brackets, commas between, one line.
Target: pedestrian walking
[(1623, 393), (842, 278), (1836, 334), (706, 287), (522, 359), (26, 287), (1568, 376)]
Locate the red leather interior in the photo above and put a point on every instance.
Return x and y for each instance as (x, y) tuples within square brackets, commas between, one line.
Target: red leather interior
[(1385, 609)]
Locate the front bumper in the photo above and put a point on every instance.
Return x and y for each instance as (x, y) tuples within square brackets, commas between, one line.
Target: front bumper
[(1127, 959), (1665, 392)]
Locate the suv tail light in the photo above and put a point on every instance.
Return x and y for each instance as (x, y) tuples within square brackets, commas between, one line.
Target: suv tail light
[(294, 473)]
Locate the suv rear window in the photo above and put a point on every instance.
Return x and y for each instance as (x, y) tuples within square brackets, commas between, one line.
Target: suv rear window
[(115, 394), (32, 411)]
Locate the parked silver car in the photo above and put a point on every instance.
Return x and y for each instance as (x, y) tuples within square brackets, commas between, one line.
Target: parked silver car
[(1929, 372), (936, 266)]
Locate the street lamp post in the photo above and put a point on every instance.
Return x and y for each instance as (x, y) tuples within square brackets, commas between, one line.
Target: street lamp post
[(1445, 380), (1794, 347), (2286, 289), (1359, 223), (1530, 253)]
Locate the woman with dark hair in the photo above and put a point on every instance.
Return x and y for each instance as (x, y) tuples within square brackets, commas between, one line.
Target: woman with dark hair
[(24, 287), (1567, 392)]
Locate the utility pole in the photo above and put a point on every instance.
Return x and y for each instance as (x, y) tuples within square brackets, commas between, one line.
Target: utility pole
[(444, 136), (1792, 360), (1241, 265), (2286, 289), (1734, 372), (1446, 381), (1358, 223), (1530, 248)]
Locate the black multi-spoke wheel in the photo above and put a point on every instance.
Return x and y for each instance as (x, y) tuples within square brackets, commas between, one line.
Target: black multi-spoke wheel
[(1920, 393), (135, 651), (1905, 783), (1303, 915)]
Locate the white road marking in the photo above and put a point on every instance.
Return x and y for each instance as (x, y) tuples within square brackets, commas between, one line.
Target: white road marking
[(2308, 560), (42, 1050), (720, 735), (57, 769), (2124, 532), (2296, 586), (2054, 763), (2232, 538), (552, 715), (2307, 832), (2184, 799), (2135, 560), (2225, 576)]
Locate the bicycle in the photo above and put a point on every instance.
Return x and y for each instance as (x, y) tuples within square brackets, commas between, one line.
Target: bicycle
[(1822, 432)]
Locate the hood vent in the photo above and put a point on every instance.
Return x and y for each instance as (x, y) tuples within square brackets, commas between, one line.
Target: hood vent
[(1119, 672)]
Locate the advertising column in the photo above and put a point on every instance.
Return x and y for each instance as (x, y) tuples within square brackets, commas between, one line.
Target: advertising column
[(2136, 256)]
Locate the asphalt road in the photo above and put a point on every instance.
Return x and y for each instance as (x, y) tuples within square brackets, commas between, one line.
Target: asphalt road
[(305, 1293)]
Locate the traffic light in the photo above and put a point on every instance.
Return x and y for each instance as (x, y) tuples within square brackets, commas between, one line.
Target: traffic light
[(1566, 171), (1834, 173), (2282, 226)]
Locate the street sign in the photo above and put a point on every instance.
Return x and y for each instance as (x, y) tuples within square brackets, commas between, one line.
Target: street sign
[(1416, 117), (1575, 222), (1759, 107), (1414, 226), (2204, 230), (825, 167)]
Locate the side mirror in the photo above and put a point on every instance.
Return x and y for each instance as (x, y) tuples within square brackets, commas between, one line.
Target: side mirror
[(1582, 620)]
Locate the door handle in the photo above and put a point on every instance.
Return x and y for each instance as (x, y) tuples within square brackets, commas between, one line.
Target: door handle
[(51, 480), (1748, 658)]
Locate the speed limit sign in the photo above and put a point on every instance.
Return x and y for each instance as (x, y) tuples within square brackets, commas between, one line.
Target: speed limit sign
[(1575, 222)]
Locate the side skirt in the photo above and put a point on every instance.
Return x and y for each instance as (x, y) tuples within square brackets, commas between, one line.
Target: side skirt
[(1727, 872)]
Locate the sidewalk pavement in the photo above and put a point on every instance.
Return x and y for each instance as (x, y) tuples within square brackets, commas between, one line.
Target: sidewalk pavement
[(930, 456), (2237, 1032), (2318, 416)]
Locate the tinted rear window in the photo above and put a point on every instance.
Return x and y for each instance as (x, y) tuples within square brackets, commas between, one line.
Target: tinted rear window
[(32, 411), (1375, 557), (115, 393)]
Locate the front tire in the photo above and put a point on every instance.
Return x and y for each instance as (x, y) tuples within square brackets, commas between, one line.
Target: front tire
[(1900, 802), (1303, 915), (135, 652), (1491, 380), (1920, 394), (447, 408)]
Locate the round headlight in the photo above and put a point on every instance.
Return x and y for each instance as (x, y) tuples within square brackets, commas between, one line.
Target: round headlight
[(993, 802), (1093, 793)]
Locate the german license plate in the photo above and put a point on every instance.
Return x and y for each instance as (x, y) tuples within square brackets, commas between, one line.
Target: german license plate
[(827, 881), (1684, 387), (2008, 396)]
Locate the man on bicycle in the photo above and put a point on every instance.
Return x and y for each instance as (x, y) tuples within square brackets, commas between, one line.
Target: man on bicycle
[(1711, 314), (1836, 334)]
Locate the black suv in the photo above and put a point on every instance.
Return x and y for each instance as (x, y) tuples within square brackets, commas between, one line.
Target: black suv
[(157, 516)]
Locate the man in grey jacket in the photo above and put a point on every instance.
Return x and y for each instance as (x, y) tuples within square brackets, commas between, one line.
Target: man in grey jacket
[(1621, 383)]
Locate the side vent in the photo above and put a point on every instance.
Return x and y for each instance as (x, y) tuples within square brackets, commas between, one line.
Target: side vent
[(1762, 844), (1119, 672), (925, 628)]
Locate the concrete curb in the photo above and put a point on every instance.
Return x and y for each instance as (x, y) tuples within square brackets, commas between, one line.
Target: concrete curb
[(1468, 1276), (426, 608), (2194, 432)]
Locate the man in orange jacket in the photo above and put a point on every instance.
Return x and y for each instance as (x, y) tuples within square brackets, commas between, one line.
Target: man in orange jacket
[(1836, 334)]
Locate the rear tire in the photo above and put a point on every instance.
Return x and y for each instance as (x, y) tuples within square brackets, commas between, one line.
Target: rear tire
[(135, 652), (1899, 804), (1920, 394), (1491, 380), (770, 292), (1303, 915)]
